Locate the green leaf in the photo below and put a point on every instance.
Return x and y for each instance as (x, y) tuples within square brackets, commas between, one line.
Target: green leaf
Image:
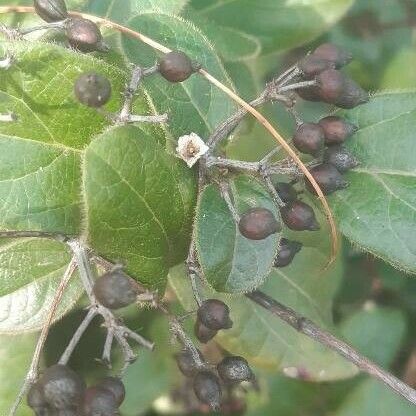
[(231, 262), (378, 210), (15, 357), (269, 343), (30, 273), (277, 25), (140, 202), (194, 105)]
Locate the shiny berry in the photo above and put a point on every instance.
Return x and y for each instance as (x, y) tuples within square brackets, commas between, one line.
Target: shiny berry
[(330, 85), (203, 333), (115, 386), (115, 290), (341, 158), (234, 370), (176, 66), (328, 178), (286, 191), (313, 65), (99, 402), (207, 389), (299, 216), (258, 224), (186, 363), (352, 95), (84, 35), (336, 129), (214, 314), (330, 52), (287, 251), (36, 400), (92, 89), (51, 10), (62, 387), (309, 138)]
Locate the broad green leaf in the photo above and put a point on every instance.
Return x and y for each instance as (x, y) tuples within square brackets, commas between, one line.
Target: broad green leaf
[(378, 210), (231, 262), (15, 356), (276, 24), (194, 105), (30, 273), (398, 73), (267, 342), (140, 202)]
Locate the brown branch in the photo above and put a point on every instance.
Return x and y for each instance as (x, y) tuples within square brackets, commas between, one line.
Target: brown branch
[(311, 330)]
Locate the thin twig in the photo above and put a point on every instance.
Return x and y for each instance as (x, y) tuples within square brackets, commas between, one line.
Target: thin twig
[(32, 373), (310, 329)]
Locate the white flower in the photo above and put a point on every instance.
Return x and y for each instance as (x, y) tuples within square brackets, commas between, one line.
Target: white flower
[(190, 148)]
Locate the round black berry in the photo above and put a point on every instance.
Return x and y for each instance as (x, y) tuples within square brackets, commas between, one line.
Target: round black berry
[(330, 52), (115, 290), (258, 224), (341, 158), (207, 389), (203, 333), (176, 66), (115, 386), (313, 65), (84, 35), (309, 138), (352, 95), (234, 370), (328, 178), (186, 362), (92, 89), (336, 129), (62, 388), (36, 400), (51, 10), (214, 314), (330, 85), (99, 402), (286, 191), (287, 251), (299, 216)]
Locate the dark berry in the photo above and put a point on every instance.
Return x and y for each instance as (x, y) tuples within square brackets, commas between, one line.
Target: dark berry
[(92, 89), (84, 35), (336, 129), (62, 387), (51, 10), (115, 290), (234, 370), (313, 65), (330, 52), (328, 178), (115, 386), (286, 191), (299, 216), (186, 362), (287, 251), (330, 85), (340, 157), (352, 95), (207, 389), (99, 402), (309, 94), (309, 138), (258, 224), (176, 66), (36, 400), (214, 314), (203, 333)]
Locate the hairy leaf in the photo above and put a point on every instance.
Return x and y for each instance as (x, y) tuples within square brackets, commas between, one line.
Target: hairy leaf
[(231, 262), (378, 210)]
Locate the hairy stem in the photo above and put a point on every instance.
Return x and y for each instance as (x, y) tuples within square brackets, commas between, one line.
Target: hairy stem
[(310, 329)]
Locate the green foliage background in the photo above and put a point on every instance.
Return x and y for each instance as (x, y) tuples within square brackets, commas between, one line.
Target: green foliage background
[(244, 43)]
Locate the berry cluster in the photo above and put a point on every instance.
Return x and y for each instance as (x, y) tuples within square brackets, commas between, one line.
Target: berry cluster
[(62, 392)]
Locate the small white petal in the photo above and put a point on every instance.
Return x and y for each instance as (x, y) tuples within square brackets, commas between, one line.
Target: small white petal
[(190, 148)]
